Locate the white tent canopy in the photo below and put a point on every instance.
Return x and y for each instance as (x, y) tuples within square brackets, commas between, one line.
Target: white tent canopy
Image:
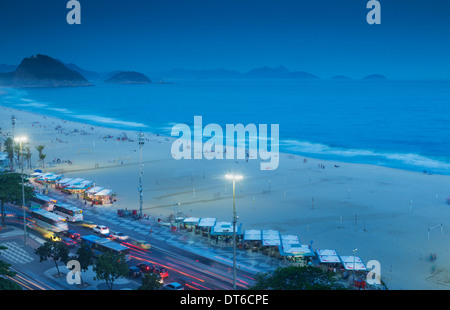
[(207, 222), (221, 227), (104, 192), (191, 220), (328, 256), (73, 182), (252, 235), (352, 263), (64, 181), (271, 238), (82, 185), (290, 239), (94, 190), (297, 249)]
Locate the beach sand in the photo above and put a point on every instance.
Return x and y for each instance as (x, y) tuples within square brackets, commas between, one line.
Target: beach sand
[(384, 213)]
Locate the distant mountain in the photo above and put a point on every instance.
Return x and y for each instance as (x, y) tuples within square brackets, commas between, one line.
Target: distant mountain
[(42, 71), (375, 77), (129, 77), (278, 73), (258, 73)]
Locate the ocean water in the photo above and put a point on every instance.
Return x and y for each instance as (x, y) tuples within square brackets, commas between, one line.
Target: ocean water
[(399, 124)]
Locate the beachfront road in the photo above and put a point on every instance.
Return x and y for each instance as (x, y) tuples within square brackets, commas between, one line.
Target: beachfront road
[(189, 269)]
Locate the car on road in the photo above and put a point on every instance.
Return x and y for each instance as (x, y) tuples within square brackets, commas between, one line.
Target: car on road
[(87, 224), (46, 234), (72, 234), (145, 268), (140, 244), (134, 272), (174, 286), (162, 272), (149, 268), (101, 229), (68, 242), (119, 236)]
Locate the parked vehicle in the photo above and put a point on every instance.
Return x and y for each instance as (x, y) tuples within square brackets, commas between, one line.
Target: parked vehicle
[(174, 286)]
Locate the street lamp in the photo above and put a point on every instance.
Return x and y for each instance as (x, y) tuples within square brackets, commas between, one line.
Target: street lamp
[(13, 123), (22, 140), (234, 178), (354, 263), (141, 143)]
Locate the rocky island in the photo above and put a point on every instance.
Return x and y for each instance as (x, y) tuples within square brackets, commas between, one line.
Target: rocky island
[(42, 71), (129, 77)]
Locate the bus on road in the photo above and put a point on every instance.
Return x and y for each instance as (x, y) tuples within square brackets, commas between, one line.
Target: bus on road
[(49, 220), (101, 245), (71, 213)]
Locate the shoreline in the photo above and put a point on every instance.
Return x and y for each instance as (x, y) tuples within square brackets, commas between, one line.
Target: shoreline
[(352, 206), (406, 160)]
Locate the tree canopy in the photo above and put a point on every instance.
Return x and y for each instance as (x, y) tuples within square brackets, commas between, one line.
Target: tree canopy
[(11, 191), (110, 267), (297, 278)]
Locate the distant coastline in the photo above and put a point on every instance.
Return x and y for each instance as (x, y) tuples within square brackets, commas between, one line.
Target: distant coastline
[(96, 99)]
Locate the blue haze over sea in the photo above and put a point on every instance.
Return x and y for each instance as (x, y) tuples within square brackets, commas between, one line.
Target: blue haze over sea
[(399, 124)]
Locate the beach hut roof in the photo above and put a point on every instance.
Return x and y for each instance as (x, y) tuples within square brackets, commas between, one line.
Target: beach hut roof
[(328, 256), (74, 181), (252, 235), (352, 263), (81, 185), (94, 190), (207, 222), (225, 228), (290, 239), (271, 238), (65, 180), (191, 220), (296, 249), (326, 252), (104, 192)]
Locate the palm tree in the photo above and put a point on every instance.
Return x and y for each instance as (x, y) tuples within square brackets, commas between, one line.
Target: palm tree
[(27, 156), (42, 156)]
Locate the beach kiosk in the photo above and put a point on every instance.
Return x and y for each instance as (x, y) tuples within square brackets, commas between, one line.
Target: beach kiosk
[(271, 240), (291, 249), (356, 265), (49, 178), (353, 263), (252, 239), (61, 183), (327, 256), (206, 224), (80, 187), (190, 223), (105, 196), (224, 231), (90, 193)]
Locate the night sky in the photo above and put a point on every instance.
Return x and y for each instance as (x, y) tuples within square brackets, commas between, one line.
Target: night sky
[(323, 37)]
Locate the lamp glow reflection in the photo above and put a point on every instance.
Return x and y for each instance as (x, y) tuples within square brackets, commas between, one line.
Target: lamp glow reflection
[(234, 178)]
